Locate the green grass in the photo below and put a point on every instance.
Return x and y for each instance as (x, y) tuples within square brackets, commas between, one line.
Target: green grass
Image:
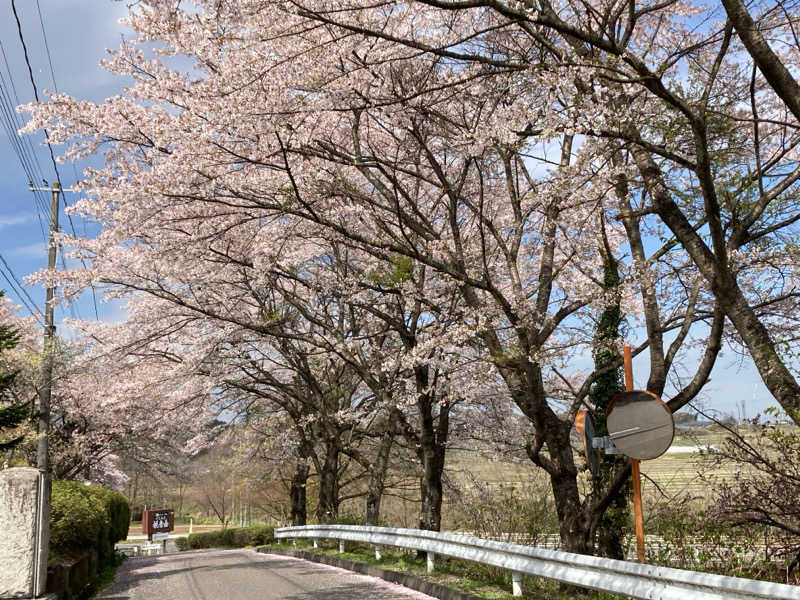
[(490, 583), (104, 577)]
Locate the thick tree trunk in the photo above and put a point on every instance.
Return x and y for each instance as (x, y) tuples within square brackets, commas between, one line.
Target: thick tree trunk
[(328, 505), (431, 452), (377, 479), (575, 528), (430, 512), (298, 493)]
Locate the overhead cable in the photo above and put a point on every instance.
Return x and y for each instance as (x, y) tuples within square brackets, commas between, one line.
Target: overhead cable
[(46, 133), (19, 290)]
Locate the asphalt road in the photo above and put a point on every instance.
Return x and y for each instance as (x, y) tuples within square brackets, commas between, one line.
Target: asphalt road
[(243, 575)]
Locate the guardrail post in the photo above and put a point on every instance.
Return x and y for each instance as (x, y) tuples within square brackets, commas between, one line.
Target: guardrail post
[(341, 546), (294, 542), (516, 583), (316, 544), (377, 551), (431, 556)]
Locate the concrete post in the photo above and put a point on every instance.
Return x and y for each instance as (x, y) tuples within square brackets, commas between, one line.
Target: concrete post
[(431, 557), (516, 583), (25, 527), (341, 546)]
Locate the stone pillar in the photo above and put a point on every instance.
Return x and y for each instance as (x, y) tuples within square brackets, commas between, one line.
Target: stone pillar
[(25, 527)]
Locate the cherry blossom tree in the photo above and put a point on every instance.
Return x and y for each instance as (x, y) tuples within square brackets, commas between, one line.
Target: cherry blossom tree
[(402, 353), (709, 143), (466, 158)]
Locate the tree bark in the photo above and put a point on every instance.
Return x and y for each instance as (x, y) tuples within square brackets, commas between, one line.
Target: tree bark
[(378, 478), (774, 373), (610, 529), (431, 452), (574, 531), (298, 493), (430, 512), (328, 505), (774, 71), (574, 526)]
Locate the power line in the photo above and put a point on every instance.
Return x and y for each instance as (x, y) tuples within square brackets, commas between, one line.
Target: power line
[(21, 145), (35, 89), (27, 155), (13, 289), (63, 194), (47, 47), (26, 139), (46, 133), (32, 308), (11, 79)]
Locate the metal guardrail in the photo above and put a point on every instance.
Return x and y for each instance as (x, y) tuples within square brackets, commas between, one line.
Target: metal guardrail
[(127, 549), (636, 580)]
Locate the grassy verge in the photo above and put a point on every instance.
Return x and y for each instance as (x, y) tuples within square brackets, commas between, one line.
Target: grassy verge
[(104, 577), (491, 583)]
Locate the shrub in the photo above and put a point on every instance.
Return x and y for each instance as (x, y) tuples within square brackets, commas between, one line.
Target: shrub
[(523, 514), (118, 511), (229, 538), (78, 521), (350, 518), (692, 537), (209, 539), (261, 535), (86, 518)]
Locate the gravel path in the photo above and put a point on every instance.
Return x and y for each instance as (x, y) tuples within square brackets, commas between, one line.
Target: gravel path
[(243, 575)]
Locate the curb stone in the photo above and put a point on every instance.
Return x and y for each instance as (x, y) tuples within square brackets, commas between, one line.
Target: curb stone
[(410, 581)]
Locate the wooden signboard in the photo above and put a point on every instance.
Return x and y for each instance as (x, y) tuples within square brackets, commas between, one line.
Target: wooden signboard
[(158, 521)]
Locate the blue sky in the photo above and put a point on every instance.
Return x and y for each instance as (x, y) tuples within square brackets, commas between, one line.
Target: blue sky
[(77, 33)]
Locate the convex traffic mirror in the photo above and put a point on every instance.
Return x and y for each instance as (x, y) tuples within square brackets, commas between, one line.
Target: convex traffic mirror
[(640, 424)]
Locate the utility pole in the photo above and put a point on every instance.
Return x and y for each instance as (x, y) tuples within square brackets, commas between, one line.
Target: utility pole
[(42, 534), (45, 386)]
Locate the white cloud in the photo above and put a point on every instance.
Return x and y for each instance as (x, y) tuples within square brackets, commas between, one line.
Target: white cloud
[(30, 251), (10, 220)]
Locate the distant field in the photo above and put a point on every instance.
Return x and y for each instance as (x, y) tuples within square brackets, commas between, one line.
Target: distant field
[(663, 479)]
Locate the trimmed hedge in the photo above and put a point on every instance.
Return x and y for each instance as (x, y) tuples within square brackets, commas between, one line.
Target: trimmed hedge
[(118, 510), (85, 518), (257, 535)]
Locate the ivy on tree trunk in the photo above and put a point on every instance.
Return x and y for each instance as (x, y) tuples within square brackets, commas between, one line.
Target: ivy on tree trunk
[(615, 521)]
